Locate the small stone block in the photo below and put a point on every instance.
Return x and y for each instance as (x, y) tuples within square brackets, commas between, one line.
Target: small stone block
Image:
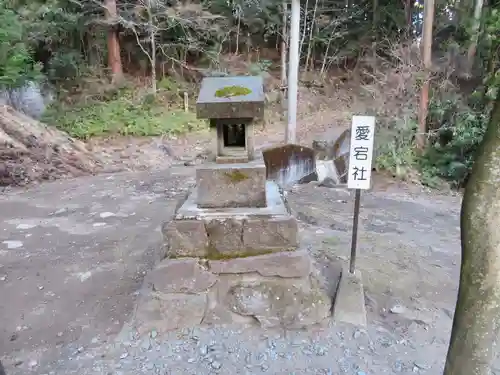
[(224, 235), (350, 300), (231, 185), (185, 238), (271, 233), (282, 264), (185, 275)]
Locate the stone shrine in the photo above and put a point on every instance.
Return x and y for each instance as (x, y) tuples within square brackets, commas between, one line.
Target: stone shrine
[(231, 251)]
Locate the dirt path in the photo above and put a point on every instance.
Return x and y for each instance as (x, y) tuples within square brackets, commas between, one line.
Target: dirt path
[(73, 255)]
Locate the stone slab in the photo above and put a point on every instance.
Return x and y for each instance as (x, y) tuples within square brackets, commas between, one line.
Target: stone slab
[(234, 185), (230, 238), (280, 302), (225, 236), (185, 238), (209, 106), (275, 207), (270, 233), (186, 275), (350, 299), (285, 264), (166, 312)]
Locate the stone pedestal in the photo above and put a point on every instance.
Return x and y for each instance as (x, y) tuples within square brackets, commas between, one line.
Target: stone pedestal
[(277, 290)]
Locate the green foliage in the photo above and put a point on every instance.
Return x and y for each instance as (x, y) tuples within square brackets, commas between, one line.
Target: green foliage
[(122, 115), (260, 67), (450, 154), (395, 149), (16, 63)]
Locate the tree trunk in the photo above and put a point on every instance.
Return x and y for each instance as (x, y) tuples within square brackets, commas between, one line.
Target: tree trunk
[(114, 58), (408, 16), (152, 36), (477, 313), (427, 62), (304, 27), (476, 26), (310, 44), (31, 151)]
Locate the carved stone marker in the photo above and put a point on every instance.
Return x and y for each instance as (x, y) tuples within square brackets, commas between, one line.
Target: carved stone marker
[(231, 250), (232, 104)]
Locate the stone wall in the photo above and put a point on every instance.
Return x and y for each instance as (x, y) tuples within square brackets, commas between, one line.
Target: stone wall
[(280, 289)]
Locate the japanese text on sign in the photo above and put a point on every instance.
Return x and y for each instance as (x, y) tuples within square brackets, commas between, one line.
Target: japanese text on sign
[(361, 152)]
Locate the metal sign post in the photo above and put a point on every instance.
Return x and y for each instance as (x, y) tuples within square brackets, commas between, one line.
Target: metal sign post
[(360, 170)]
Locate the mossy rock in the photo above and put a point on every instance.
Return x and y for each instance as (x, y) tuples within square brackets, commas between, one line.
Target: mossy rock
[(231, 91), (214, 254), (236, 176)]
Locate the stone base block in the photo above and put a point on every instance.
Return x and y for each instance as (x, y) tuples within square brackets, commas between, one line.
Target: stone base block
[(350, 300), (231, 232), (276, 290), (231, 185)]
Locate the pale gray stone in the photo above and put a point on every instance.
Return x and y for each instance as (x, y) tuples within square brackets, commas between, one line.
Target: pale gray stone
[(271, 233), (280, 303), (231, 185), (185, 238), (186, 275), (282, 264), (225, 235), (166, 312)]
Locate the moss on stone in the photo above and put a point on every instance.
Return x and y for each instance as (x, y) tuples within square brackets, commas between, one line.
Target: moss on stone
[(214, 254), (236, 176), (230, 91)]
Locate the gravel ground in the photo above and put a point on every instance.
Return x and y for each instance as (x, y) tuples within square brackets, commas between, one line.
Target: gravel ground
[(336, 349), (409, 257)]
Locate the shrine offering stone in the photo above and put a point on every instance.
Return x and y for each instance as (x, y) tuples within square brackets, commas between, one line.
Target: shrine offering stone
[(231, 185), (231, 97)]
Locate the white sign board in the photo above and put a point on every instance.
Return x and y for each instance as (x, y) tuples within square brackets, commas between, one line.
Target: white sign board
[(361, 152)]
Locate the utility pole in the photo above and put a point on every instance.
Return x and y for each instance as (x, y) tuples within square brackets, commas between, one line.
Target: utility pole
[(293, 73)]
